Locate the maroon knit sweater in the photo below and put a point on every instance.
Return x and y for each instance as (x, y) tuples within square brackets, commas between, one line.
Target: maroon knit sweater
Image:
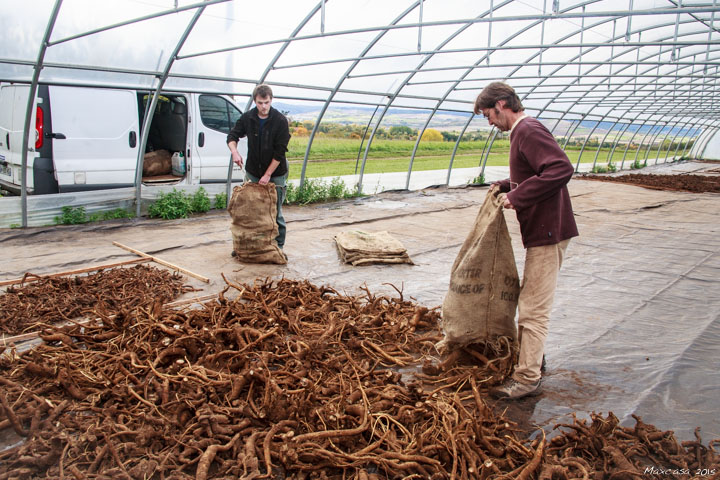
[(539, 173)]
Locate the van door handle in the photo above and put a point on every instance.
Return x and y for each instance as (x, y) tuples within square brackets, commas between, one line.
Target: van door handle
[(59, 136), (132, 139), (201, 139), (7, 140)]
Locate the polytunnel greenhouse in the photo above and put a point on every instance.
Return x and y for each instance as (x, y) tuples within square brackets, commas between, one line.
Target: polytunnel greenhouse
[(310, 239)]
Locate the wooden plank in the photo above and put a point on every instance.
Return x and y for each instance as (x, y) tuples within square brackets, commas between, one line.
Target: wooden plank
[(161, 179), (34, 278), (7, 341), (192, 300), (162, 262)]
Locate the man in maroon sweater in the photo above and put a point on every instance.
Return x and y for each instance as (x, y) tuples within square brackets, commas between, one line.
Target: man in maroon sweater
[(537, 191)]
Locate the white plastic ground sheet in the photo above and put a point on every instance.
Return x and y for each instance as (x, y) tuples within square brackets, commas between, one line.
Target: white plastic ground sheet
[(636, 323)]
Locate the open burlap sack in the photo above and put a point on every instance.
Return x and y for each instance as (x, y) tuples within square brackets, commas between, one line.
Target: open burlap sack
[(484, 284), (253, 208), (158, 162), (365, 248)]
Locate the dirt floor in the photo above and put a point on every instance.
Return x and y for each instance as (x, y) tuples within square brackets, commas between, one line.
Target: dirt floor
[(635, 327), (708, 180)]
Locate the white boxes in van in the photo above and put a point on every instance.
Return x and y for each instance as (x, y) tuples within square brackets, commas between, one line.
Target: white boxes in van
[(178, 164)]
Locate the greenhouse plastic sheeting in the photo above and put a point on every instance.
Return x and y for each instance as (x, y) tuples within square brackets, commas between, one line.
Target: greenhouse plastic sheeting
[(636, 323), (595, 70)]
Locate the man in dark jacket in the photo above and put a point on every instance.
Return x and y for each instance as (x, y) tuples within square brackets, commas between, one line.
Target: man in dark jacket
[(537, 191), (268, 136)]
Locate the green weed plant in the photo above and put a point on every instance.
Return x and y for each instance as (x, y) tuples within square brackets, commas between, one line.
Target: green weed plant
[(171, 205), (177, 204), (199, 201), (315, 190), (637, 165), (479, 180), (609, 168), (221, 200), (78, 215)]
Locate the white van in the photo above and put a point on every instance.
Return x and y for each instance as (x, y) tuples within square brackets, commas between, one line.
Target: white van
[(87, 138)]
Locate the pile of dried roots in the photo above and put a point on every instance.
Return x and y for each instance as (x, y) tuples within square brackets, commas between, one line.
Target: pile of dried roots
[(287, 380), (39, 300)]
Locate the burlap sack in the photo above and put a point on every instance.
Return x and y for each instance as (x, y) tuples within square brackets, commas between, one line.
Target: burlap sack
[(367, 248), (158, 162), (253, 208), (484, 285)]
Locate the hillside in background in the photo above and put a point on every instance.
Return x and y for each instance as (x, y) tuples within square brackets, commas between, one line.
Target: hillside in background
[(446, 121)]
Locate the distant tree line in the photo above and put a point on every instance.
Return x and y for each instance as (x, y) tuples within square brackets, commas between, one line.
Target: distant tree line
[(396, 132), (404, 132)]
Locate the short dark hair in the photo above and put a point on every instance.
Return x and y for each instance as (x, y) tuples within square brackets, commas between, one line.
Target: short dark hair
[(262, 90), (495, 92)]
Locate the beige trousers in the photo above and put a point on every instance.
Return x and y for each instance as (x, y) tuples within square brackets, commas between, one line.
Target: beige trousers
[(542, 265)]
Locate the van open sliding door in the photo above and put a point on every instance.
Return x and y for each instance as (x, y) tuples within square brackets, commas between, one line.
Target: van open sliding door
[(95, 137), (217, 116)]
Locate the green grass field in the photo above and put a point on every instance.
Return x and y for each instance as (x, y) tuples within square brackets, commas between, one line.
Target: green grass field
[(331, 157)]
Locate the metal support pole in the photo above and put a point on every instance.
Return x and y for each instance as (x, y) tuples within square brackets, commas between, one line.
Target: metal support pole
[(617, 140), (420, 24), (487, 152), (151, 109), (627, 147), (322, 17), (673, 56), (672, 142), (597, 152), (362, 140), (687, 142), (662, 142), (490, 24), (642, 141), (542, 39), (628, 31), (457, 143), (30, 107), (337, 88), (652, 142)]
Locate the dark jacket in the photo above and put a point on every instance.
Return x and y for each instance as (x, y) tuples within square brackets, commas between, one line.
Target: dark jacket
[(272, 145), (539, 173)]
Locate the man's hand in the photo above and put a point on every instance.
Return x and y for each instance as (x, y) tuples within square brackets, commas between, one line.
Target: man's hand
[(505, 201), (264, 180), (237, 158)]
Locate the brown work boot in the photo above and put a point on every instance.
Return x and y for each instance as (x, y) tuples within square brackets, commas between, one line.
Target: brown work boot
[(513, 390)]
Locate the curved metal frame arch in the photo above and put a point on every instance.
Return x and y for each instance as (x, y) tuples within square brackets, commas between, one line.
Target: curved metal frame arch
[(608, 77), (643, 87), (600, 101), (341, 81), (151, 109), (399, 89), (285, 45), (659, 115), (452, 88), (268, 69)]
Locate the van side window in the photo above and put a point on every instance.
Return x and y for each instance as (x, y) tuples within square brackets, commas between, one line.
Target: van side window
[(217, 113)]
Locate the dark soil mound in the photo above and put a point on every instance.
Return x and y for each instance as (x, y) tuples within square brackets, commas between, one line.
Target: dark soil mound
[(683, 182)]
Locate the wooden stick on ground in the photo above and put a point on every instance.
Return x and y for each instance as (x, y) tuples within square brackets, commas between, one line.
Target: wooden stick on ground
[(33, 278), (6, 341), (162, 262), (201, 299)]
